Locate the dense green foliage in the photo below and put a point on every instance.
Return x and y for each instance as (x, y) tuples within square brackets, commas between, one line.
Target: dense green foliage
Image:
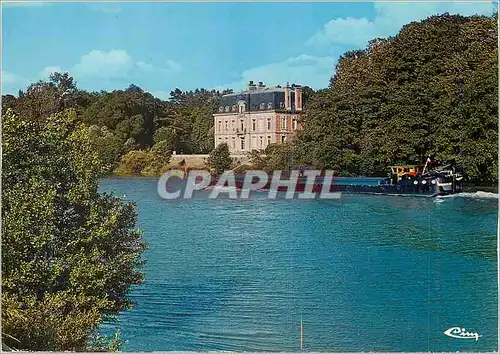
[(125, 120), (397, 101), (134, 162), (219, 159), (274, 157), (151, 162), (69, 254)]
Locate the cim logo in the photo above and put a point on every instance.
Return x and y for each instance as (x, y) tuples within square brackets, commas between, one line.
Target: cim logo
[(461, 333)]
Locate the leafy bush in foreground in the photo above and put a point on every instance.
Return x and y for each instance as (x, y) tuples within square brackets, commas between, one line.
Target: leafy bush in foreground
[(69, 254)]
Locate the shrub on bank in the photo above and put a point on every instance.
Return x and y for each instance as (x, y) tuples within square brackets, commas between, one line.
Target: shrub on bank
[(69, 253), (145, 162), (219, 159), (134, 162)]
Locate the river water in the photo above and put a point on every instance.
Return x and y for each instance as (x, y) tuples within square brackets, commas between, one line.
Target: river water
[(364, 273)]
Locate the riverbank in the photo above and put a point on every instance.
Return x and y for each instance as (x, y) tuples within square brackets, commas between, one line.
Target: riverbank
[(179, 162), (196, 162)]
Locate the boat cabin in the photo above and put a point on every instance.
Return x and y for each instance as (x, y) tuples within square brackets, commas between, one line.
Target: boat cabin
[(399, 171)]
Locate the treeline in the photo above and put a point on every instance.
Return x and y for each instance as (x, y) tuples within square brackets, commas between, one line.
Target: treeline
[(430, 91), (397, 101), (130, 126)]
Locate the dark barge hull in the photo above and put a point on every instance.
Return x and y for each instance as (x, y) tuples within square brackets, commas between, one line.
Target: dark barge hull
[(427, 189)]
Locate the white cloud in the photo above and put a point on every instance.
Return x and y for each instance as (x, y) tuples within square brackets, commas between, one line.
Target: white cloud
[(48, 70), (9, 78), (115, 63), (389, 18), (172, 66), (342, 34), (144, 66), (105, 69), (349, 30), (303, 69), (11, 83)]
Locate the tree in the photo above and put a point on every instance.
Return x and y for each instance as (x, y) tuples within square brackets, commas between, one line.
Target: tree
[(126, 120), (397, 101), (134, 162), (8, 101), (69, 254), (202, 134), (274, 157), (108, 146), (219, 159), (161, 153), (44, 98), (130, 113), (278, 157), (166, 134)]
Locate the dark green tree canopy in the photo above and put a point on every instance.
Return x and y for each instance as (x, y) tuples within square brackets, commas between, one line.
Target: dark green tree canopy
[(219, 159), (69, 254), (397, 101)]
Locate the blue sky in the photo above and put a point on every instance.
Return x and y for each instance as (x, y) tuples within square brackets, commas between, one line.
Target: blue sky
[(161, 46)]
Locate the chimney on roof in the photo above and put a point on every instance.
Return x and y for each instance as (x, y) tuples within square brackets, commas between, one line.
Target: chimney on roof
[(298, 97), (251, 86), (288, 96), (261, 84)]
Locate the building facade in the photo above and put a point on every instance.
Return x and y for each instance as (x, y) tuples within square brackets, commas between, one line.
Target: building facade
[(260, 116)]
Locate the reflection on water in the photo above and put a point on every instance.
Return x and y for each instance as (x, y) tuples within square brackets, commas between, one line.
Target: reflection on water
[(366, 273)]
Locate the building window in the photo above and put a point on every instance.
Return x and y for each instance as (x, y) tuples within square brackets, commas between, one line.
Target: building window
[(269, 105), (227, 109), (221, 109), (268, 141), (243, 144), (241, 107), (260, 143), (234, 143), (242, 125), (226, 124), (283, 138), (283, 123), (268, 124), (254, 142), (220, 126), (253, 124), (232, 125), (295, 124)]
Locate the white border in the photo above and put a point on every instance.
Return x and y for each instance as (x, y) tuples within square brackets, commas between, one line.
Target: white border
[(2, 2)]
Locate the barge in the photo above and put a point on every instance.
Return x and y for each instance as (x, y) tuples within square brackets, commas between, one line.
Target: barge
[(404, 180)]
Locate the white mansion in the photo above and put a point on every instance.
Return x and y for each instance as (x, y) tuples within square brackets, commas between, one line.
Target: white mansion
[(257, 117)]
